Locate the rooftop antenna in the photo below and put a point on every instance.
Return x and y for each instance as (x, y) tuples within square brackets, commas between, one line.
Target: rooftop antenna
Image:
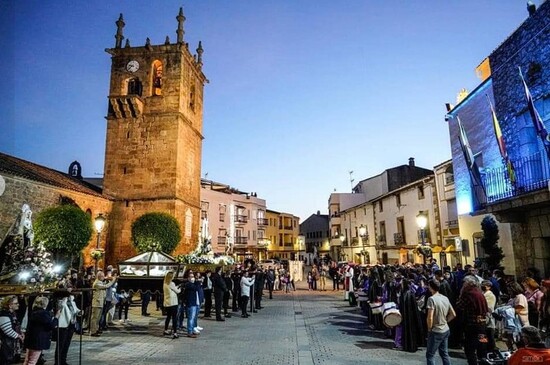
[(351, 179)]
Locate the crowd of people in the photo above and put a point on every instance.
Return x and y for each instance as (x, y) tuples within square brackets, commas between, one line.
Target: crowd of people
[(467, 308), (31, 322)]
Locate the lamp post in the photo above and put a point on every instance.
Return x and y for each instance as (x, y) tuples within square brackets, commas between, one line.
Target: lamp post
[(364, 236), (422, 221), (342, 239), (301, 245), (99, 223)]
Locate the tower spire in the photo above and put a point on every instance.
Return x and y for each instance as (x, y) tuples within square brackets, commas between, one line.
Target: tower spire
[(119, 37), (199, 53), (180, 18)]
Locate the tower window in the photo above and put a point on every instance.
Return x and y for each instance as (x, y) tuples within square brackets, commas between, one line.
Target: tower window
[(157, 78), (135, 87), (192, 97)]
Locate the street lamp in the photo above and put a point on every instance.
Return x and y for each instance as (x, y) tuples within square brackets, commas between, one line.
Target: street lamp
[(99, 223), (364, 236), (422, 221)]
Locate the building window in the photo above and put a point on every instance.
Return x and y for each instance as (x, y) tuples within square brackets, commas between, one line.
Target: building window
[(380, 206), (192, 98), (222, 213), (449, 175), (421, 192), (382, 235), (204, 210), (157, 78)]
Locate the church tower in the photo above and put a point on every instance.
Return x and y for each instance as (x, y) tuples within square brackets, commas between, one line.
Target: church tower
[(154, 137)]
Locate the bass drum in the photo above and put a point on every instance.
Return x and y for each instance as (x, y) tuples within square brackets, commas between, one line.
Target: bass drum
[(392, 317)]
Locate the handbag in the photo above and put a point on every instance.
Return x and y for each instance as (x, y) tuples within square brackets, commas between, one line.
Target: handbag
[(7, 347), (421, 302), (55, 334)]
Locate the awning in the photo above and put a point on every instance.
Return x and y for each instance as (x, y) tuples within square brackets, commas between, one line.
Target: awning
[(450, 248), (437, 249)]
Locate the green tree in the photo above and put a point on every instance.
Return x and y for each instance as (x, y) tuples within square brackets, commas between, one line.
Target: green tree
[(489, 242), (156, 232), (64, 230)]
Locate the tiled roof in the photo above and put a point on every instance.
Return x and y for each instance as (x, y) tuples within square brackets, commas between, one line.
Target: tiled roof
[(31, 171)]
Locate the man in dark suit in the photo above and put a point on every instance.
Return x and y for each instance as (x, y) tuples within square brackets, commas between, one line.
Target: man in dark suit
[(229, 284), (207, 288), (236, 278), (219, 289), (259, 288), (270, 278)]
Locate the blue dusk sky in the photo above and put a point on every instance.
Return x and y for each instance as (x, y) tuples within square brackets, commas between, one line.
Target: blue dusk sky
[(300, 92)]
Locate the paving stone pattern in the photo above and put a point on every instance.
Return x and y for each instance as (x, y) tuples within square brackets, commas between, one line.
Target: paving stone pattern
[(299, 328)]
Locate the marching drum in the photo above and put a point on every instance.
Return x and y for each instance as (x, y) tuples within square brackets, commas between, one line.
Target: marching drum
[(391, 316), (362, 296), (376, 307)]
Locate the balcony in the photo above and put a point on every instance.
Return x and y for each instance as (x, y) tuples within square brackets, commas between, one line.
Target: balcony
[(242, 219), (222, 240), (398, 239), (381, 240), (355, 241), (262, 221), (452, 224), (530, 173), (241, 240)]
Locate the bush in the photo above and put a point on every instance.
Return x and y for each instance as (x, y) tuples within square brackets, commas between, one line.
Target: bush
[(156, 232), (489, 242), (63, 229)]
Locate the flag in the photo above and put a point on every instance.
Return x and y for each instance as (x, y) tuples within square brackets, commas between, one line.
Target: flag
[(502, 145), (469, 156), (541, 130)]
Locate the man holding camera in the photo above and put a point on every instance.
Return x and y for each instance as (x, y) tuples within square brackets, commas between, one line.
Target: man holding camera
[(98, 300), (247, 281)]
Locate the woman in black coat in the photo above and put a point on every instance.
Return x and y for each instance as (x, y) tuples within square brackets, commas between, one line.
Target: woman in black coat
[(39, 330)]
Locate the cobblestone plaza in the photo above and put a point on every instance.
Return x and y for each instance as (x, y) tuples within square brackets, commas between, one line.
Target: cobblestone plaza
[(299, 328)]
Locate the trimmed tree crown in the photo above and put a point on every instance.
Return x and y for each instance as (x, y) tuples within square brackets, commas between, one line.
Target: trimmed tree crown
[(156, 232), (64, 228)]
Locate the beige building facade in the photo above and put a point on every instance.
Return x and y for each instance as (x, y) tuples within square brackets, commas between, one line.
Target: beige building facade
[(282, 233), (234, 220)]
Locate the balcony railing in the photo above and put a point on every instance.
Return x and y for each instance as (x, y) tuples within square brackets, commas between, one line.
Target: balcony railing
[(398, 239), (262, 221), (222, 240), (452, 224), (449, 179), (241, 240), (531, 173), (381, 240), (355, 241), (241, 219)]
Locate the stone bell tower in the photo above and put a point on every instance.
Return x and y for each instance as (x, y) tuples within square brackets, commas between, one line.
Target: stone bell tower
[(154, 137)]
